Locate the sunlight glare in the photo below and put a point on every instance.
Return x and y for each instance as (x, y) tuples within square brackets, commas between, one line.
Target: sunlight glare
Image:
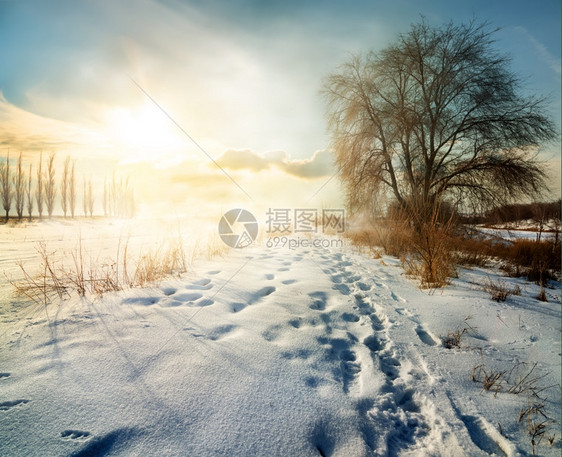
[(145, 134)]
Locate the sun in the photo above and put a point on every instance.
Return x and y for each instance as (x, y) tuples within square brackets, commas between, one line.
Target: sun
[(145, 134)]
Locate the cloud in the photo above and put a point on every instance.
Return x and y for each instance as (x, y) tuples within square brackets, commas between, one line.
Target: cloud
[(318, 166), (21, 130), (552, 61)]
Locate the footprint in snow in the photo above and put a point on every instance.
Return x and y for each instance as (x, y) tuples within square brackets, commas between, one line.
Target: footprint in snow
[(364, 287), (362, 305), (312, 381), (4, 375), (342, 289), (205, 302), (145, 301), (288, 282), (425, 337), (404, 312), (221, 331), (320, 299), (340, 349), (376, 323), (272, 333), (301, 354), (7, 405), (483, 435), (187, 297), (170, 303), (337, 278), (202, 284), (169, 291), (350, 317), (373, 343), (75, 434), (295, 323), (264, 292), (389, 366), (236, 307)]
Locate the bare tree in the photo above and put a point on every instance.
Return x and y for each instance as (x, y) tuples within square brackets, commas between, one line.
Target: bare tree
[(28, 193), (64, 185), (436, 115), (85, 197), (90, 199), (113, 194), (6, 186), (50, 188), (72, 191), (19, 185), (39, 189), (105, 198)]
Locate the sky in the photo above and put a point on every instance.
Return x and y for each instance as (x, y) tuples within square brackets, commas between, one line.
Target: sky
[(163, 91)]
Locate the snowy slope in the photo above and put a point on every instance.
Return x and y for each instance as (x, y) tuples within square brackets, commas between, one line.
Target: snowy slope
[(309, 352)]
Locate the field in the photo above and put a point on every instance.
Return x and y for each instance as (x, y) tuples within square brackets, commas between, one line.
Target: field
[(314, 351)]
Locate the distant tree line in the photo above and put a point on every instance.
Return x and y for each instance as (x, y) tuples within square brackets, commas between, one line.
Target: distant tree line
[(118, 198), (20, 189), (537, 212)]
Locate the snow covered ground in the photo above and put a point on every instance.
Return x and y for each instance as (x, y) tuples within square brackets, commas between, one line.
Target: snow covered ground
[(263, 352), (515, 234)]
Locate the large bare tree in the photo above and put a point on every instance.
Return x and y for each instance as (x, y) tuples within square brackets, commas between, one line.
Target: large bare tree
[(437, 115)]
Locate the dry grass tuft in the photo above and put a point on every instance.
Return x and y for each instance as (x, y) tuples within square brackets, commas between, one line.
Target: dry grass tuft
[(541, 296), (454, 339), (499, 290), (86, 275)]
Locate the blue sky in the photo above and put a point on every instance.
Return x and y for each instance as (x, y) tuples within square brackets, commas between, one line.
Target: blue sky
[(237, 75)]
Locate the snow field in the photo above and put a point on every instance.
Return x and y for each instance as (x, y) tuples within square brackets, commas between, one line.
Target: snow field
[(274, 352)]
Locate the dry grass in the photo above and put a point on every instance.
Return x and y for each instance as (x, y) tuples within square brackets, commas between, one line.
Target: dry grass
[(421, 241), (499, 290), (539, 261), (541, 296), (454, 338), (521, 378), (368, 240), (42, 287), (538, 423), (87, 275)]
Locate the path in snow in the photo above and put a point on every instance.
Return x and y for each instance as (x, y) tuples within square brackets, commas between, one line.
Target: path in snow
[(269, 352)]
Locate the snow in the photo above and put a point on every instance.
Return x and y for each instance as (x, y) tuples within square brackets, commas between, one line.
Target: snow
[(521, 232), (265, 351)]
